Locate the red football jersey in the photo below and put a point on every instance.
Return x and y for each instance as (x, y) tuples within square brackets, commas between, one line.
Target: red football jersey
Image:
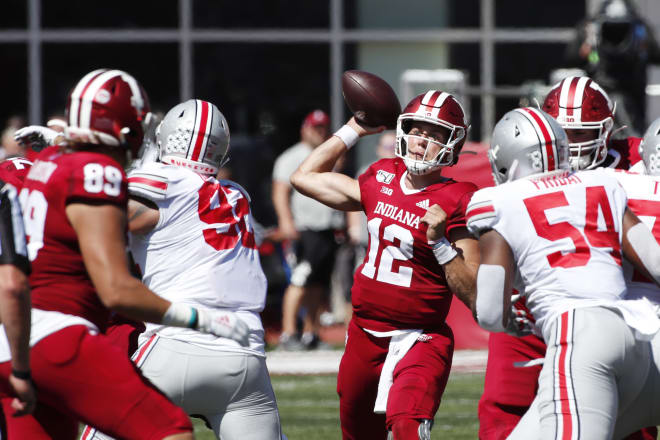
[(400, 285), (59, 280), (622, 153), (14, 170)]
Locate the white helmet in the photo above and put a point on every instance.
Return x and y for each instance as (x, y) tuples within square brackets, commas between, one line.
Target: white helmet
[(649, 148), (527, 141), (195, 135)]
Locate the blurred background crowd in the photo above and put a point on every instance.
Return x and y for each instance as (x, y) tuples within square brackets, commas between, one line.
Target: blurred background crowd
[(274, 67)]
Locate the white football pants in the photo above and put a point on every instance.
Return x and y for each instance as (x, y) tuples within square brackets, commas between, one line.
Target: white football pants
[(230, 390), (594, 369)]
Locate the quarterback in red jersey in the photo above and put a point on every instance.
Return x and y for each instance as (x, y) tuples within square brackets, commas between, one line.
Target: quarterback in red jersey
[(586, 113), (74, 209), (399, 348)]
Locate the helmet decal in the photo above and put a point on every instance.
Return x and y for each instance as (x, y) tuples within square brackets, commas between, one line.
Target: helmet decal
[(545, 134)]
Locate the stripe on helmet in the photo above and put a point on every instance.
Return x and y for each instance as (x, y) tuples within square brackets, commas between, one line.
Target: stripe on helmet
[(202, 130), (582, 83), (429, 96), (546, 136), (434, 101), (90, 92), (566, 92), (78, 91)]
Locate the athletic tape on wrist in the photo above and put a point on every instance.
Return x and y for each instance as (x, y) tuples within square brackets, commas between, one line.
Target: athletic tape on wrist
[(348, 136), (180, 315), (443, 250)]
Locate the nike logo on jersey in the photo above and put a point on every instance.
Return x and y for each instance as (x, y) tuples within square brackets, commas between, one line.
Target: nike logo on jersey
[(397, 214), (384, 176), (424, 204)]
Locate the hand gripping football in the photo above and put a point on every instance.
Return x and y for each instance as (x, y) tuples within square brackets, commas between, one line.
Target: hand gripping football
[(370, 98)]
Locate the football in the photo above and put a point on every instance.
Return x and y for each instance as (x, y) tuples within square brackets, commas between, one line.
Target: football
[(370, 98)]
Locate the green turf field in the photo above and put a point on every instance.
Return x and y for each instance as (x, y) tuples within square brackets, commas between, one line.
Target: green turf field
[(309, 408)]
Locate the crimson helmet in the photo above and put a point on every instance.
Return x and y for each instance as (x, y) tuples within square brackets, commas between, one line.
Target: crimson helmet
[(438, 108), (107, 107), (195, 135), (577, 102)]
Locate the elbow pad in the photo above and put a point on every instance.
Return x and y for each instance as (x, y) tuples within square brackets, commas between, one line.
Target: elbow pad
[(642, 241), (490, 297)]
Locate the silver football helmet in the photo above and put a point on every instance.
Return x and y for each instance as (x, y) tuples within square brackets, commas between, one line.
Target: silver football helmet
[(195, 135), (527, 141), (649, 148)]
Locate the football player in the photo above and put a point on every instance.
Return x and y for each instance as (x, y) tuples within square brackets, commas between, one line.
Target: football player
[(74, 209), (193, 239), (399, 348), (560, 237), (14, 304), (586, 113)]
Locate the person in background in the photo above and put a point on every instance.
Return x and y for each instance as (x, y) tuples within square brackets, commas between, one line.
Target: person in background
[(615, 47), (310, 226), (9, 146)]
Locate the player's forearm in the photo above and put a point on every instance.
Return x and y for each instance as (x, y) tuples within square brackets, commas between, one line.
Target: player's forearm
[(323, 158), (15, 315), (461, 278), (281, 203), (129, 297)]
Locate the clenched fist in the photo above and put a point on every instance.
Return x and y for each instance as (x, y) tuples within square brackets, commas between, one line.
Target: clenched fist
[(436, 218)]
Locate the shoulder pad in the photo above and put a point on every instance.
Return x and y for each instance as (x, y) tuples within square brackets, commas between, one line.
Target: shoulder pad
[(147, 182), (480, 213)]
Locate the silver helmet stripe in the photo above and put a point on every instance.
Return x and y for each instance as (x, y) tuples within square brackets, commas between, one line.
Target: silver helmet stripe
[(546, 136), (88, 95), (77, 93)]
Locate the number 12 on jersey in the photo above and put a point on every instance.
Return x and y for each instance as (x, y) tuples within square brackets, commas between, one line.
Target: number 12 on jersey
[(403, 252)]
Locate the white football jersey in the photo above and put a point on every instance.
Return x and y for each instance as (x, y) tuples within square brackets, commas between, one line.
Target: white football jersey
[(565, 234), (202, 251), (643, 193)]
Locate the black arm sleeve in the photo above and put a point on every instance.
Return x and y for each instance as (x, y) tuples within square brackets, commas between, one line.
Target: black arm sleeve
[(13, 247)]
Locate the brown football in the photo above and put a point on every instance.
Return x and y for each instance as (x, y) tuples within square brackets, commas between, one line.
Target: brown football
[(370, 98)]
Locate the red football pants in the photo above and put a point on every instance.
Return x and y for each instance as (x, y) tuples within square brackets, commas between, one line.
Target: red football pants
[(83, 377), (419, 379)]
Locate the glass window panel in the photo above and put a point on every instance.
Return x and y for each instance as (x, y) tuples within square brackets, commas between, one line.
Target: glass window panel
[(392, 14), (517, 62), (14, 14), (264, 91), (14, 94), (519, 13), (115, 14), (155, 66), (464, 13), (227, 14)]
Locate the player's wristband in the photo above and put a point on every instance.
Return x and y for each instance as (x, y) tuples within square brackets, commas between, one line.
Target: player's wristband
[(348, 135), (25, 375), (443, 250), (180, 315)]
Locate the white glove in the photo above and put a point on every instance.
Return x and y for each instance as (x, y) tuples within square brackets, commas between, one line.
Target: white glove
[(36, 137), (223, 324)]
